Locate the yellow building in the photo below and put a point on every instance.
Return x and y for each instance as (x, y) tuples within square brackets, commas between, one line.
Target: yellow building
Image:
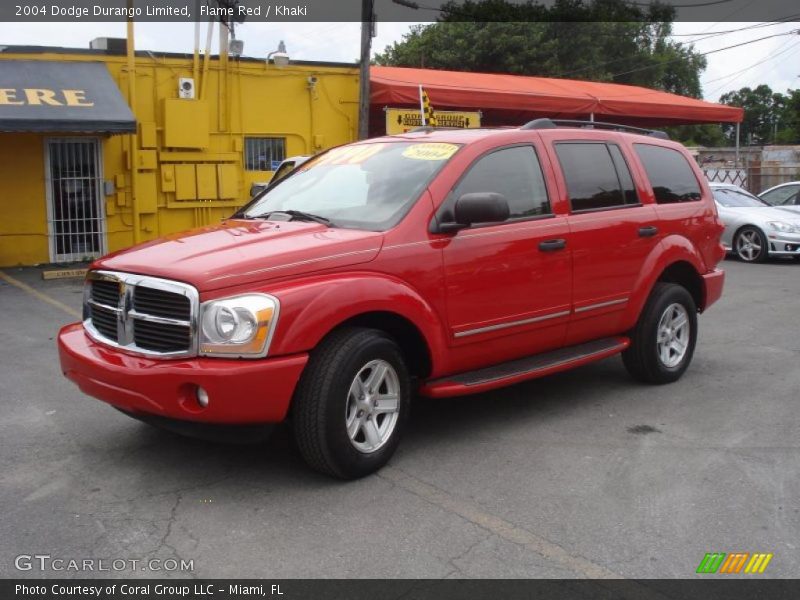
[(74, 184)]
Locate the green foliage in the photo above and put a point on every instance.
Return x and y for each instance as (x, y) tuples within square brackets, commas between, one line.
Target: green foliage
[(709, 135), (769, 117), (598, 40)]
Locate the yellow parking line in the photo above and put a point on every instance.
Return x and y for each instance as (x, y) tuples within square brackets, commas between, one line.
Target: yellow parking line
[(41, 296), (496, 525), (520, 536)]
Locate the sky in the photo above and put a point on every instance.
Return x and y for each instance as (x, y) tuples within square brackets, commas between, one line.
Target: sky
[(774, 61)]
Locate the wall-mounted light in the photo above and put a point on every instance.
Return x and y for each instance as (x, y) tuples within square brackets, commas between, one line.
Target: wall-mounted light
[(280, 58), (236, 47)]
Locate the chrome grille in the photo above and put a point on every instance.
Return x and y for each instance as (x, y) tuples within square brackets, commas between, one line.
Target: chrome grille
[(161, 304), (160, 337), (144, 315), (105, 321), (105, 292)]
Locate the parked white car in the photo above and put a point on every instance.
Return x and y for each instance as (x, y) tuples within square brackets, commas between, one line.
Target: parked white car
[(785, 194), (754, 230), (287, 166)]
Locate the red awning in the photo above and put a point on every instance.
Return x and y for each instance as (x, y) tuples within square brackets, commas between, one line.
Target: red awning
[(522, 96)]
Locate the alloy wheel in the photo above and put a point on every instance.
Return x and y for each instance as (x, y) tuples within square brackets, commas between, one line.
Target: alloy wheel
[(673, 335), (749, 245), (373, 406)]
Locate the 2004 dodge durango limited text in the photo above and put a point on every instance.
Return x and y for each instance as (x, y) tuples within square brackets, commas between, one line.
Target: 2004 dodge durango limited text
[(436, 262)]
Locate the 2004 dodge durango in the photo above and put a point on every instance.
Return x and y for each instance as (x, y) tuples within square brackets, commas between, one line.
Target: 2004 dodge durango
[(437, 263)]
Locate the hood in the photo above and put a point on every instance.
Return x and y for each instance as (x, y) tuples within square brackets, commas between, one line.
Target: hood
[(764, 214), (239, 251), (792, 209)]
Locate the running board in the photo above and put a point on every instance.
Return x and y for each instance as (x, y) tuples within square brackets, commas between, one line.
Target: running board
[(523, 369)]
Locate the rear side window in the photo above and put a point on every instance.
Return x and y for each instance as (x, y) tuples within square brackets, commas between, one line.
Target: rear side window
[(516, 174), (670, 175), (597, 176)]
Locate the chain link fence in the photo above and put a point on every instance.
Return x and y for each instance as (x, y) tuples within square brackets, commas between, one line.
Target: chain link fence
[(754, 179)]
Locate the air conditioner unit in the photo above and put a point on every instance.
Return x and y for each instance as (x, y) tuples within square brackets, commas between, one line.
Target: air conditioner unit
[(186, 87)]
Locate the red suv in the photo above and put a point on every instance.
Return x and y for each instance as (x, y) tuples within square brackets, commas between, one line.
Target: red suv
[(436, 262)]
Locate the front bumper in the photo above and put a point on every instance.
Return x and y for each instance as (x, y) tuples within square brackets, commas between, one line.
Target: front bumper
[(784, 244), (240, 391)]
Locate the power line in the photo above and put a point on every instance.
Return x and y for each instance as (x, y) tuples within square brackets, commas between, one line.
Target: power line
[(620, 60), (786, 47), (712, 3), (418, 6), (727, 31), (774, 66), (647, 67)]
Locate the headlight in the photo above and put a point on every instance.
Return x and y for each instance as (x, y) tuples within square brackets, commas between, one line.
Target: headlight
[(238, 326), (781, 226)]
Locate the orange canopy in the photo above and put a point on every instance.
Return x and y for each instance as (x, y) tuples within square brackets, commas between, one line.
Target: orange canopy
[(510, 98)]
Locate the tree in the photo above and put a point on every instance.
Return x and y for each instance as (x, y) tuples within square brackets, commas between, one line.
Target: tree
[(599, 40), (769, 117), (707, 134), (789, 119)]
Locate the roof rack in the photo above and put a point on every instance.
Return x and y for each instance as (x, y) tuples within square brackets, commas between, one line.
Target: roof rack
[(555, 123), (423, 129)]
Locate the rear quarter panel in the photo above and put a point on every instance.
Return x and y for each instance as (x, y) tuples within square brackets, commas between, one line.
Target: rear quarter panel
[(696, 221)]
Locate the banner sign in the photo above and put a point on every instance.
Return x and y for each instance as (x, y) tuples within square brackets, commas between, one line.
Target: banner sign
[(403, 120)]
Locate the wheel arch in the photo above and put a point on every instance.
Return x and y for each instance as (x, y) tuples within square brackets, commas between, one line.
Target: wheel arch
[(674, 260), (316, 310), (412, 342), (684, 274)]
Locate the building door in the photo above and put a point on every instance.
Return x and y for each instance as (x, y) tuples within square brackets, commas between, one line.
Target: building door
[(76, 219)]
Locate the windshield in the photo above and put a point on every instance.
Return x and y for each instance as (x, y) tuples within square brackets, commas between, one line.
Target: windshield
[(733, 198), (360, 186)]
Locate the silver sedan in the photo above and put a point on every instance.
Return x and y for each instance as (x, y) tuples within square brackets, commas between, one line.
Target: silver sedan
[(755, 230)]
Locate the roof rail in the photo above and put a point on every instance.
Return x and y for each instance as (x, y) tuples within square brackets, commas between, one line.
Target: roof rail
[(554, 123), (540, 124)]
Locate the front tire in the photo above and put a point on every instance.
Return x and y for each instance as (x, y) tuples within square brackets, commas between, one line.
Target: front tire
[(351, 403), (751, 245), (663, 341)]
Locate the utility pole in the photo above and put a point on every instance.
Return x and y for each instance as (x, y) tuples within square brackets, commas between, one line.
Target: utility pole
[(367, 20), (133, 144)]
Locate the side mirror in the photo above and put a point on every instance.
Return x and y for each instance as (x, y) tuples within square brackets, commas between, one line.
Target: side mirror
[(480, 207), (257, 188)]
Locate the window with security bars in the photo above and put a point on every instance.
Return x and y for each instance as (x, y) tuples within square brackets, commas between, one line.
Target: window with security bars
[(75, 211), (263, 153)]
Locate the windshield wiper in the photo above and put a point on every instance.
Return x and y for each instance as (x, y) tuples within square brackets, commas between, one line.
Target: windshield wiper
[(299, 215)]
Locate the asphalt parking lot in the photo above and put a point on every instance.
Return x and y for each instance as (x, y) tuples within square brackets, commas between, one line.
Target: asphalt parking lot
[(582, 474)]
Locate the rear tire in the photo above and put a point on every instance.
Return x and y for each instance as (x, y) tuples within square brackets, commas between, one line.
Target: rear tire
[(664, 338), (351, 403)]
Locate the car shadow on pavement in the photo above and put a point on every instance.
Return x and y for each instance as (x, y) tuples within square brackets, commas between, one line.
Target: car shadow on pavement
[(434, 424)]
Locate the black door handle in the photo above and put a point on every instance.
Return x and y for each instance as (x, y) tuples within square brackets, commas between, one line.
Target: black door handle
[(550, 245), (648, 231)]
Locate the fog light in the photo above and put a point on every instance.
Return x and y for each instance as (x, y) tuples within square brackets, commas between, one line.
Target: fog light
[(202, 397)]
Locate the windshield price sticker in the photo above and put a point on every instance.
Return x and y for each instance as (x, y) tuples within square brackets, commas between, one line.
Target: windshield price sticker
[(430, 151), (349, 155)]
